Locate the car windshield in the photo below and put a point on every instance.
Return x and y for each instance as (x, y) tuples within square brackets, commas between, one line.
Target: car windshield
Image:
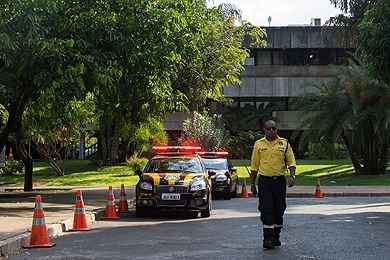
[(215, 163), (182, 165)]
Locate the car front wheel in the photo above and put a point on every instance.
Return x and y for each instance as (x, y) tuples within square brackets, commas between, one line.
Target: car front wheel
[(207, 212)]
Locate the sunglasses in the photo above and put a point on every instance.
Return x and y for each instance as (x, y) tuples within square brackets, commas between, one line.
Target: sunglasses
[(270, 128)]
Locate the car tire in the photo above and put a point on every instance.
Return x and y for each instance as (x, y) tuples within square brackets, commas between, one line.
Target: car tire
[(141, 212), (207, 212), (192, 214), (227, 195)]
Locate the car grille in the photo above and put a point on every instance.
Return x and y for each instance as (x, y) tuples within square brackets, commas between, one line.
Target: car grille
[(177, 189)]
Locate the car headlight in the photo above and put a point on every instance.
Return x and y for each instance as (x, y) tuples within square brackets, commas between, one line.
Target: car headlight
[(221, 178), (198, 185), (146, 186)]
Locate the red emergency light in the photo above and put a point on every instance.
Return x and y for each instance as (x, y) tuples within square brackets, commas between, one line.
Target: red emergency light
[(175, 150)]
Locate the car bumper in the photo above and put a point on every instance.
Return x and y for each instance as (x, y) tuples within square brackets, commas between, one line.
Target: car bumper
[(188, 201), (220, 188)]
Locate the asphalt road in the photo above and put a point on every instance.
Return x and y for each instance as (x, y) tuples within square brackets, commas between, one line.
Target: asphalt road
[(329, 228)]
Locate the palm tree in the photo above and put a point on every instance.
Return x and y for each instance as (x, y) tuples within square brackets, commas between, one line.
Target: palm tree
[(353, 107)]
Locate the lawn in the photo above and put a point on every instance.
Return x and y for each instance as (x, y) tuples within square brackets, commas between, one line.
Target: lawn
[(77, 173), (86, 173), (331, 173)]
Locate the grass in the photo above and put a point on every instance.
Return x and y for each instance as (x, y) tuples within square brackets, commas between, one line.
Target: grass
[(86, 173), (331, 173), (77, 173)]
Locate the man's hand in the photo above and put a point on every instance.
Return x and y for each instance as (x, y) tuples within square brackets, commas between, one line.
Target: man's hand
[(291, 181), (254, 189)]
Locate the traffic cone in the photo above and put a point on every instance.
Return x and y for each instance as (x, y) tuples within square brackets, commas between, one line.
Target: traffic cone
[(318, 193), (110, 212), (123, 206), (244, 192), (39, 234), (10, 155), (79, 218)]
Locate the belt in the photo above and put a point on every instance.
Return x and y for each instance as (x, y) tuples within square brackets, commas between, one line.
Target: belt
[(272, 177)]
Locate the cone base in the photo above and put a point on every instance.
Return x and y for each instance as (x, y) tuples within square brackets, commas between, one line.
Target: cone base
[(40, 246), (319, 195), (79, 229), (108, 218)]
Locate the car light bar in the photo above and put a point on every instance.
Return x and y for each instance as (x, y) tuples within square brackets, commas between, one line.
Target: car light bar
[(167, 150), (216, 154)]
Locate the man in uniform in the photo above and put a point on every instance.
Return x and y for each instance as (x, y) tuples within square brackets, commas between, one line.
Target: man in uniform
[(271, 157)]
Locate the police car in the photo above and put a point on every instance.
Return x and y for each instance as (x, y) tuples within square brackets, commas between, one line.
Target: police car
[(174, 178), (224, 177)]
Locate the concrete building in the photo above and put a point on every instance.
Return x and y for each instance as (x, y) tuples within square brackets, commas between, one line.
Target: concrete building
[(294, 60)]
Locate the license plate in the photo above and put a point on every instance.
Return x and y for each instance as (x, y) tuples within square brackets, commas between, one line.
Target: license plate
[(170, 196)]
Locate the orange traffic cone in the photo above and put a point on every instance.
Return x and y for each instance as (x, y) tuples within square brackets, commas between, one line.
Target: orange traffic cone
[(123, 206), (39, 234), (79, 218), (318, 193), (10, 155), (110, 212), (244, 192)]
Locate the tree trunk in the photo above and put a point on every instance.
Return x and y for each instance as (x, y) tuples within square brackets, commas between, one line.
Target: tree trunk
[(109, 141), (22, 153), (13, 133), (351, 149)]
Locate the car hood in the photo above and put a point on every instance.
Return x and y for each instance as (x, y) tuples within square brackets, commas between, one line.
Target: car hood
[(172, 178)]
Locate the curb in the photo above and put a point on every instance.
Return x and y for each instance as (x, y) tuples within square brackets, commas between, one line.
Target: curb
[(340, 194), (14, 245)]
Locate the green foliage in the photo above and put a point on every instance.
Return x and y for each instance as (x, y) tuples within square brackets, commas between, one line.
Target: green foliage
[(355, 108), (206, 130), (213, 54), (248, 117), (241, 145), (147, 133), (375, 39), (136, 163), (13, 167), (326, 151), (3, 117)]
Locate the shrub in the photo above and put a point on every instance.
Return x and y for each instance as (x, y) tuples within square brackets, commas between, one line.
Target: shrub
[(136, 163), (326, 151), (13, 167), (241, 145), (206, 130)]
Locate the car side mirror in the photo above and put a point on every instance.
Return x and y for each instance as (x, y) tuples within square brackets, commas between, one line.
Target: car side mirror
[(138, 173), (211, 173)]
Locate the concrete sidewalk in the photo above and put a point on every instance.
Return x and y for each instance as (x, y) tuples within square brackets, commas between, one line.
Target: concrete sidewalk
[(16, 207)]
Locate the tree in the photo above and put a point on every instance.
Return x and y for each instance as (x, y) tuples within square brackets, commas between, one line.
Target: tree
[(214, 56), (33, 59), (353, 107), (153, 57), (55, 125), (374, 42), (205, 130), (354, 9)]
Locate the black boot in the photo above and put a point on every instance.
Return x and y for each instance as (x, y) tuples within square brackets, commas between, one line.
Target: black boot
[(277, 231), (268, 242)]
